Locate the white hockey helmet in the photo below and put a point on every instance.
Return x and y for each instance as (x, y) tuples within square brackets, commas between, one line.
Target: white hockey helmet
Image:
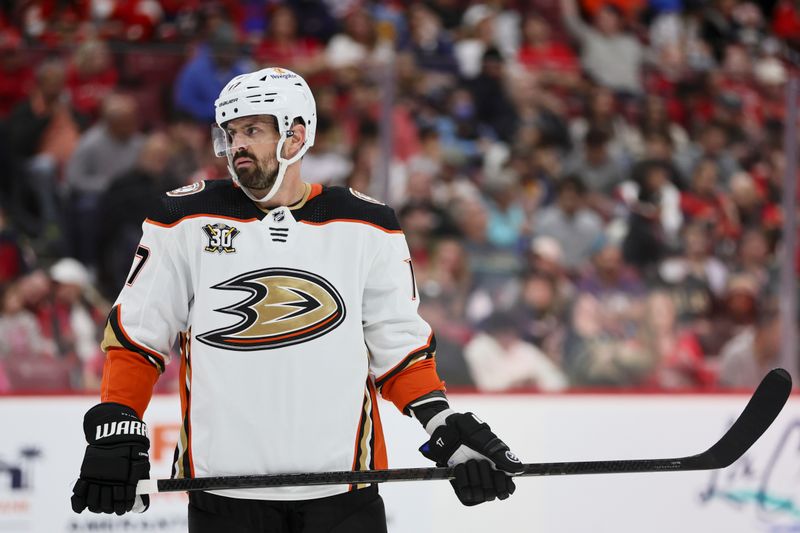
[(270, 91)]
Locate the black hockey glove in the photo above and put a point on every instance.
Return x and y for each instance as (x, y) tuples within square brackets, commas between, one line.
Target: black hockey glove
[(115, 460), (483, 463)]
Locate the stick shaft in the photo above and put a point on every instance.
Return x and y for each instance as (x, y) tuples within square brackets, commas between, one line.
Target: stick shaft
[(762, 409), (411, 474)]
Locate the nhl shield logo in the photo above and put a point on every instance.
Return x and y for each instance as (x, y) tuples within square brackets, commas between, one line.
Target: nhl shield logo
[(220, 238)]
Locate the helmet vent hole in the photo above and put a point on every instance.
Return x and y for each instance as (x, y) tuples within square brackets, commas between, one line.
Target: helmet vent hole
[(235, 109)]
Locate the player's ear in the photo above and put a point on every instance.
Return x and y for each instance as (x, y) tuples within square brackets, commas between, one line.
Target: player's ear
[(296, 137)]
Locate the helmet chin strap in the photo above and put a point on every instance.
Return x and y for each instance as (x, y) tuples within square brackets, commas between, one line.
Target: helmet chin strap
[(283, 164)]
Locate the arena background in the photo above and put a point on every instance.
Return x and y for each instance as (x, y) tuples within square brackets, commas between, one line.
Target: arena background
[(599, 197)]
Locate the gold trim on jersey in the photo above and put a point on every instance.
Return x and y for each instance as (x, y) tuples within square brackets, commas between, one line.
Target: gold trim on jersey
[(115, 336), (182, 463), (364, 454), (297, 205)]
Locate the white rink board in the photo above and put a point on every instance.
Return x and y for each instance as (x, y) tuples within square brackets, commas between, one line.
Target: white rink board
[(539, 428)]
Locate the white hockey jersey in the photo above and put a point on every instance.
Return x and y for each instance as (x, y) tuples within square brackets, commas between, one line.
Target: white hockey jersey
[(290, 322)]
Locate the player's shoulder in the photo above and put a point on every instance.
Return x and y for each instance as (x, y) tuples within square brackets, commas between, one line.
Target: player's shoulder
[(203, 198), (343, 204)]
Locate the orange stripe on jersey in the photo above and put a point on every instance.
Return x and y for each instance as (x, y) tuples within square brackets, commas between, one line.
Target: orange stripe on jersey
[(198, 215), (316, 189), (414, 381), (353, 220), (287, 336), (380, 462), (128, 379)]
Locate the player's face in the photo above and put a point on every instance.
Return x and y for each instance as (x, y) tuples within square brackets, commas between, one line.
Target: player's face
[(253, 141)]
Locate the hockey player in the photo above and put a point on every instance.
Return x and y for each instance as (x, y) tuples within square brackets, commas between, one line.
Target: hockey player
[(295, 306)]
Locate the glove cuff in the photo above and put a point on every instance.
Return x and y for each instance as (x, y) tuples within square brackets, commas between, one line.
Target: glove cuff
[(439, 419), (111, 423)]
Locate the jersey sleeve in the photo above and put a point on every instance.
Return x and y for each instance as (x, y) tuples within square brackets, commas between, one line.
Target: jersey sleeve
[(150, 311), (401, 344)]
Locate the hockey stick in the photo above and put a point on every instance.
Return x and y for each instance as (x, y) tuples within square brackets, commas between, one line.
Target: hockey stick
[(764, 406)]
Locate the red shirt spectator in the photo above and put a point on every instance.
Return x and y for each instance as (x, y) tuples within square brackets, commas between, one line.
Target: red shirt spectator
[(16, 73), (786, 21), (282, 46), (91, 76), (704, 203)]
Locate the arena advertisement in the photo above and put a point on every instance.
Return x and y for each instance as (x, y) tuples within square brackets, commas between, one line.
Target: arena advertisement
[(760, 493)]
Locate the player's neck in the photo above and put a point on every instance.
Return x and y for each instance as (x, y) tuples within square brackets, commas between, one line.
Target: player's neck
[(291, 192)]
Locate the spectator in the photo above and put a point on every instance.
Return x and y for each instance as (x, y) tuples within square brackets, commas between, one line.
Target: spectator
[(444, 288), (44, 132), (428, 44), (328, 162), (740, 303), (477, 26), (786, 22), (601, 113), (28, 360), (201, 79), (604, 344), (658, 151), (748, 203), (499, 360), (599, 170), (655, 217), (754, 258), (752, 353), (282, 45), (124, 205), (542, 117), (20, 334), (546, 257), (491, 95), (553, 62), (605, 349), (109, 148), (91, 76), (451, 336), (12, 261), (611, 57), (705, 202), (539, 315), (459, 130), (508, 224), (609, 279), (712, 143), (187, 139), (656, 120), (493, 269), (568, 220), (681, 361), (76, 316), (16, 71), (695, 278), (356, 46)]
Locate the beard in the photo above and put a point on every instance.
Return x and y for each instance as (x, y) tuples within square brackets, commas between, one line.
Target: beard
[(259, 177)]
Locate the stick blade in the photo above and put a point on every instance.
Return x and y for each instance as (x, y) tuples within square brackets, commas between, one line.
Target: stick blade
[(762, 409)]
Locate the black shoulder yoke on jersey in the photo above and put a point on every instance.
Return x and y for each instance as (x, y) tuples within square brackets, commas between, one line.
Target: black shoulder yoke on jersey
[(339, 203), (213, 197)]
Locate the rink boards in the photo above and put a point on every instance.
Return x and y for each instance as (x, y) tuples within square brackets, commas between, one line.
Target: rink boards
[(41, 445)]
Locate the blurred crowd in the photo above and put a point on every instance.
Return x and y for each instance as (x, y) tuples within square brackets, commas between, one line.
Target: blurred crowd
[(591, 192)]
